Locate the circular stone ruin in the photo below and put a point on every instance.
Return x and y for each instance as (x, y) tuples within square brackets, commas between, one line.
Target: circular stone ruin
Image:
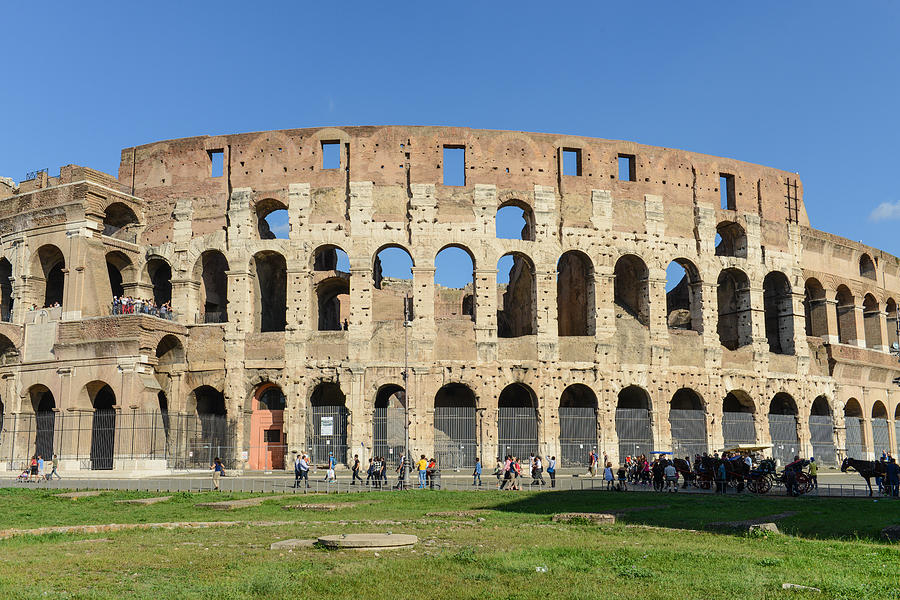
[(368, 541)]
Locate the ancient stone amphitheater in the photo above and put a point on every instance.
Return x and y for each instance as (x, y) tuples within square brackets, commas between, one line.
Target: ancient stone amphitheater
[(291, 339)]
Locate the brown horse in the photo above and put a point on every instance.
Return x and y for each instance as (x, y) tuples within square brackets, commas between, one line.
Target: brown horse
[(866, 469)]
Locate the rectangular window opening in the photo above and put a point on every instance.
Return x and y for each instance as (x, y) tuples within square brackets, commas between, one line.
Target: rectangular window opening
[(626, 168), (726, 191), (331, 155), (216, 162), (454, 165), (572, 161)]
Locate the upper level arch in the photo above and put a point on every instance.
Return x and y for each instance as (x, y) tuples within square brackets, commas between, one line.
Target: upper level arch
[(631, 288), (272, 220), (575, 312), (515, 221), (867, 267), (120, 222), (49, 265), (731, 240)]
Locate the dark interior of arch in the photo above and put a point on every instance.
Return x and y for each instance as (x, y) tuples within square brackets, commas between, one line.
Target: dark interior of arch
[(53, 265), (328, 258), (272, 399), (853, 409), (867, 267), (682, 303), (169, 351), (103, 428), (516, 395), (215, 286), (328, 394), (331, 294), (117, 219), (574, 295), (115, 279), (271, 282), (454, 395), (633, 397), (517, 317), (43, 404), (7, 349), (686, 399), (163, 402), (732, 240), (783, 404), (879, 411), (6, 299), (578, 396), (161, 279), (631, 288), (846, 315), (390, 396), (820, 407), (737, 403), (210, 401), (733, 297), (778, 310), (815, 309)]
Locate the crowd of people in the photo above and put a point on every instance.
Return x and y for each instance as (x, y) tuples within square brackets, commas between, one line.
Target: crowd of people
[(511, 469), (35, 470), (126, 305)]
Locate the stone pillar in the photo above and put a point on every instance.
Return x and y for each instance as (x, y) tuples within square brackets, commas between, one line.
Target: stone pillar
[(486, 314), (884, 346), (659, 330), (422, 334), (859, 321), (360, 326), (831, 327), (547, 327), (359, 426)]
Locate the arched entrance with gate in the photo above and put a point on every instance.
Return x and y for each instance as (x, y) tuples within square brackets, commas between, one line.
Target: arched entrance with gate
[(687, 418), (577, 425), (103, 425), (326, 423), (388, 432), (783, 428), (267, 437), (517, 425), (633, 426), (821, 432), (454, 426)]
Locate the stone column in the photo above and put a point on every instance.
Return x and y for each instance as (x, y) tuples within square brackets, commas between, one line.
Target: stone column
[(360, 326), (831, 327), (422, 334), (486, 314), (859, 321), (547, 328)]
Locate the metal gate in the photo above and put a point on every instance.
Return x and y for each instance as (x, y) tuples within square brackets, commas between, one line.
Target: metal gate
[(45, 433), (577, 435), (688, 432), (897, 437), (517, 431), (388, 433), (854, 438), (454, 437), (821, 435), (738, 428), (103, 439), (881, 440), (634, 431), (326, 432), (783, 432)]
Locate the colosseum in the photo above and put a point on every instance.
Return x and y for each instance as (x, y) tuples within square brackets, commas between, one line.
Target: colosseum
[(156, 319)]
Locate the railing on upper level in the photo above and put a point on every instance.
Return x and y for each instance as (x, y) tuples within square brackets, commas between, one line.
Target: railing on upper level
[(216, 316)]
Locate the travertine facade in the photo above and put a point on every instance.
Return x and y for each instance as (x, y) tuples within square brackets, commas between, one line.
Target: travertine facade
[(772, 314)]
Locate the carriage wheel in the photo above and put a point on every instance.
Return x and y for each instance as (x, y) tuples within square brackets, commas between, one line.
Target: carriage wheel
[(704, 484), (751, 485), (763, 485)]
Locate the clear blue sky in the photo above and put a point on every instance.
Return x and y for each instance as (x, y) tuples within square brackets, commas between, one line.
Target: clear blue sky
[(810, 87)]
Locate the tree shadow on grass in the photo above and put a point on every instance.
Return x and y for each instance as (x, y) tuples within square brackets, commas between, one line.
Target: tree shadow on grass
[(819, 518)]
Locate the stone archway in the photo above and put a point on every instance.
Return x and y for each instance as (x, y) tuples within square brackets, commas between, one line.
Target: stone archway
[(267, 436)]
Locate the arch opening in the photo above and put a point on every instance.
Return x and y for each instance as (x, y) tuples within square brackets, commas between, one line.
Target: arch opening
[(6, 290), (392, 296), (213, 267), (326, 431), (687, 418), (867, 267), (103, 425), (881, 438), (738, 425), (575, 295), (631, 289), (846, 316), (731, 240), (853, 429), (43, 405), (272, 221), (270, 298), (454, 284), (455, 440), (779, 313), (891, 316), (120, 222), (388, 432), (517, 422), (735, 326), (783, 428), (815, 309), (515, 221), (333, 304), (578, 429), (634, 428), (821, 432), (516, 294), (52, 266), (684, 307), (872, 320), (160, 274), (209, 435), (268, 448)]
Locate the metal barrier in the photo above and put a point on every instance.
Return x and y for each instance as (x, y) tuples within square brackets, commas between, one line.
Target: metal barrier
[(326, 432), (454, 436), (821, 433), (577, 435), (738, 428), (688, 432), (783, 433), (517, 431), (854, 438), (634, 431), (881, 439), (388, 432)]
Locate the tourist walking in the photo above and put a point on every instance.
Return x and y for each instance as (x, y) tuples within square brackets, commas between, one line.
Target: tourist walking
[(507, 473), (355, 470), (476, 474), (551, 471), (623, 479), (401, 473), (722, 479), (592, 464), (383, 471), (539, 470), (33, 469), (671, 477), (218, 470), (55, 465), (40, 467), (608, 476), (304, 469), (296, 470), (814, 473), (369, 472)]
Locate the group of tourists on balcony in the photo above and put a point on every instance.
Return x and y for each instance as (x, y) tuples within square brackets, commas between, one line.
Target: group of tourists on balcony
[(126, 305)]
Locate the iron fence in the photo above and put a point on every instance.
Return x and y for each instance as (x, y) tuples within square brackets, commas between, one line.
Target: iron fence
[(388, 432), (455, 444), (821, 434), (853, 432), (783, 433), (326, 433), (634, 430), (577, 435), (738, 428), (99, 439), (881, 439), (517, 429), (688, 432)]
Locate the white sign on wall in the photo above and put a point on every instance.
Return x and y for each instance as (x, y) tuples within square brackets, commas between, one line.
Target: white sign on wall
[(327, 426)]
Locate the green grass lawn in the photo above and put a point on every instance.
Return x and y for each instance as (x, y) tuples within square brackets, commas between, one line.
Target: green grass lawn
[(507, 548)]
